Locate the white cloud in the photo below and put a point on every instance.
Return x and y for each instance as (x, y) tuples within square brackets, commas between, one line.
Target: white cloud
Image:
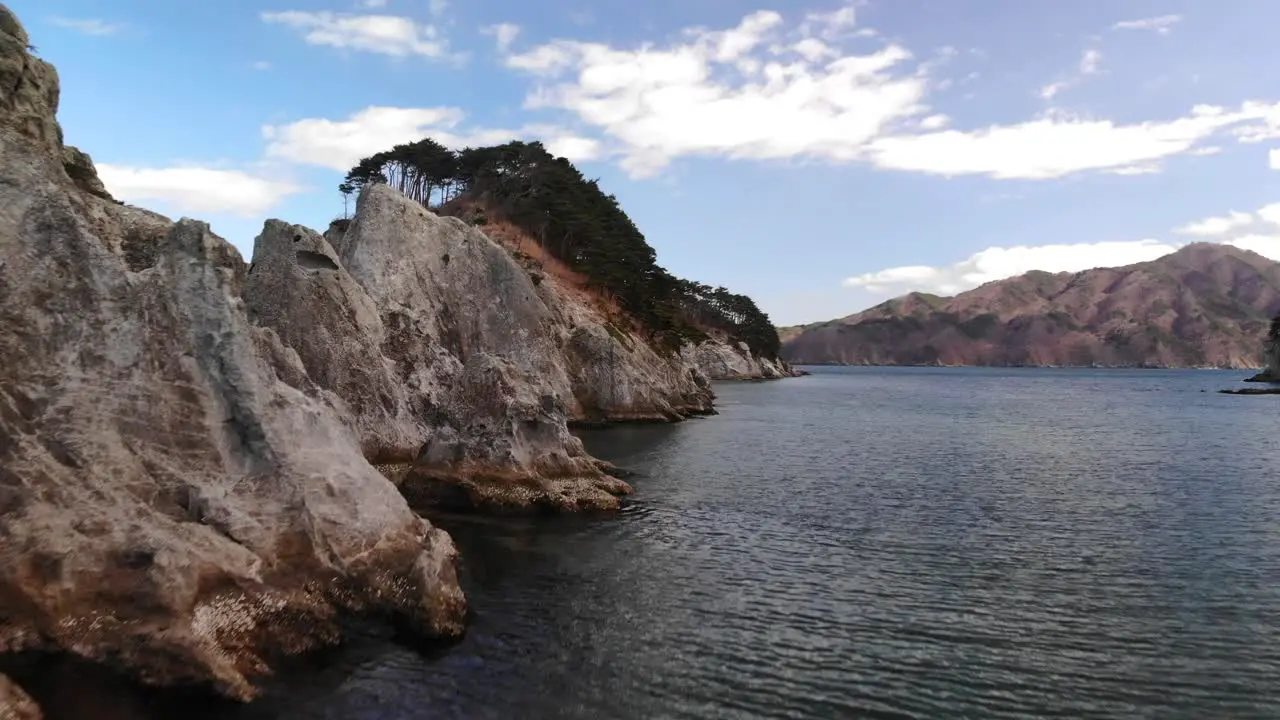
[(373, 3), (89, 26), (759, 90), (1267, 127), (1058, 144), (1217, 226), (437, 7), (832, 25), (766, 89), (262, 65), (1050, 91), (1139, 169), (1162, 24), (384, 34), (196, 189), (504, 34), (1258, 231), (573, 147), (1273, 159), (1090, 63), (934, 122), (340, 144), (997, 263)]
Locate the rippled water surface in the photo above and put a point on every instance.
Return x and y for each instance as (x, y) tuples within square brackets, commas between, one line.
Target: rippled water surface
[(880, 543)]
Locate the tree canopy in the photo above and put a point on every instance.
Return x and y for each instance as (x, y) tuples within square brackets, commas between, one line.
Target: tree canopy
[(575, 221)]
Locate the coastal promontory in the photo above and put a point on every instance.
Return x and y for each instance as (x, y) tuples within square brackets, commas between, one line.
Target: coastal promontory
[(205, 463)]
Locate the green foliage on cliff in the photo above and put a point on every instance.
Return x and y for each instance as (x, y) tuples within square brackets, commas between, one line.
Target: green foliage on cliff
[(574, 220)]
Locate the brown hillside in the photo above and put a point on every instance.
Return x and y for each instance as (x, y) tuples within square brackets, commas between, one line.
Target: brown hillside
[(1205, 305)]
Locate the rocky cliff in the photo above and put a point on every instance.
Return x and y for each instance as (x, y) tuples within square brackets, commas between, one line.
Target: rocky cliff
[(461, 368), (177, 498), (722, 359), (1205, 305), (204, 462), (441, 350)]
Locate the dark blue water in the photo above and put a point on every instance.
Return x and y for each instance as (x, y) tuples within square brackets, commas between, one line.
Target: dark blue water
[(887, 543)]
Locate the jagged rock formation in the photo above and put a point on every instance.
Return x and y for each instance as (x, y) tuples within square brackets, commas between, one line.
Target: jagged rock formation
[(614, 374), (442, 351), (16, 704), (176, 495), (459, 368), (1202, 306), (720, 360)]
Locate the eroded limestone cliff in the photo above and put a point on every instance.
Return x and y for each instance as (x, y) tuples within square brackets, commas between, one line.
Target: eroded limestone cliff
[(176, 495), (441, 351), (721, 359)]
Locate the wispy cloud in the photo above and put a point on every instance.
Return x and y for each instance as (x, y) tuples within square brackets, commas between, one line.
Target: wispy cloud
[(1162, 24), (339, 144), (503, 33), (384, 34), (197, 189), (1090, 63), (89, 26)]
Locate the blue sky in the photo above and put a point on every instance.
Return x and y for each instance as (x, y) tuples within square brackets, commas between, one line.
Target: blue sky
[(818, 156)]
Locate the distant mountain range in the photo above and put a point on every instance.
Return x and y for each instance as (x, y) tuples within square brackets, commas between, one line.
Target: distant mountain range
[(1205, 305)]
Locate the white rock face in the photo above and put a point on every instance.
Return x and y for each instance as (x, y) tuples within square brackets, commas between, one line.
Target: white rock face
[(176, 496), (614, 374), (441, 350), (721, 360)]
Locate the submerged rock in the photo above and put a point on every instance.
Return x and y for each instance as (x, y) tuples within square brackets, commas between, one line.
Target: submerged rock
[(177, 497), (16, 704)]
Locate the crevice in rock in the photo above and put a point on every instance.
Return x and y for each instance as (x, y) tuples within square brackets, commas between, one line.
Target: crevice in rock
[(309, 260)]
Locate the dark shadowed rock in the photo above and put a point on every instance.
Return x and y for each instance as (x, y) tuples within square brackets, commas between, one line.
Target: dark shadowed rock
[(177, 499), (14, 703), (79, 167)]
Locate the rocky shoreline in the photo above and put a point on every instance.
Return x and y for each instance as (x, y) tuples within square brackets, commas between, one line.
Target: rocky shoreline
[(207, 463)]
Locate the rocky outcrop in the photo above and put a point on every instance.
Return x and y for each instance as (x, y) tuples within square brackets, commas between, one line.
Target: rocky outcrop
[(720, 359), (614, 374), (79, 167), (441, 351), (178, 498), (16, 704)]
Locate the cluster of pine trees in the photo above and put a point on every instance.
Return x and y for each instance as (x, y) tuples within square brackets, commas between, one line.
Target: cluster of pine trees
[(577, 223)]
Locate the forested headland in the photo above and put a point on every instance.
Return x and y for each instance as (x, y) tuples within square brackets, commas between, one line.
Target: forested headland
[(573, 220)]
